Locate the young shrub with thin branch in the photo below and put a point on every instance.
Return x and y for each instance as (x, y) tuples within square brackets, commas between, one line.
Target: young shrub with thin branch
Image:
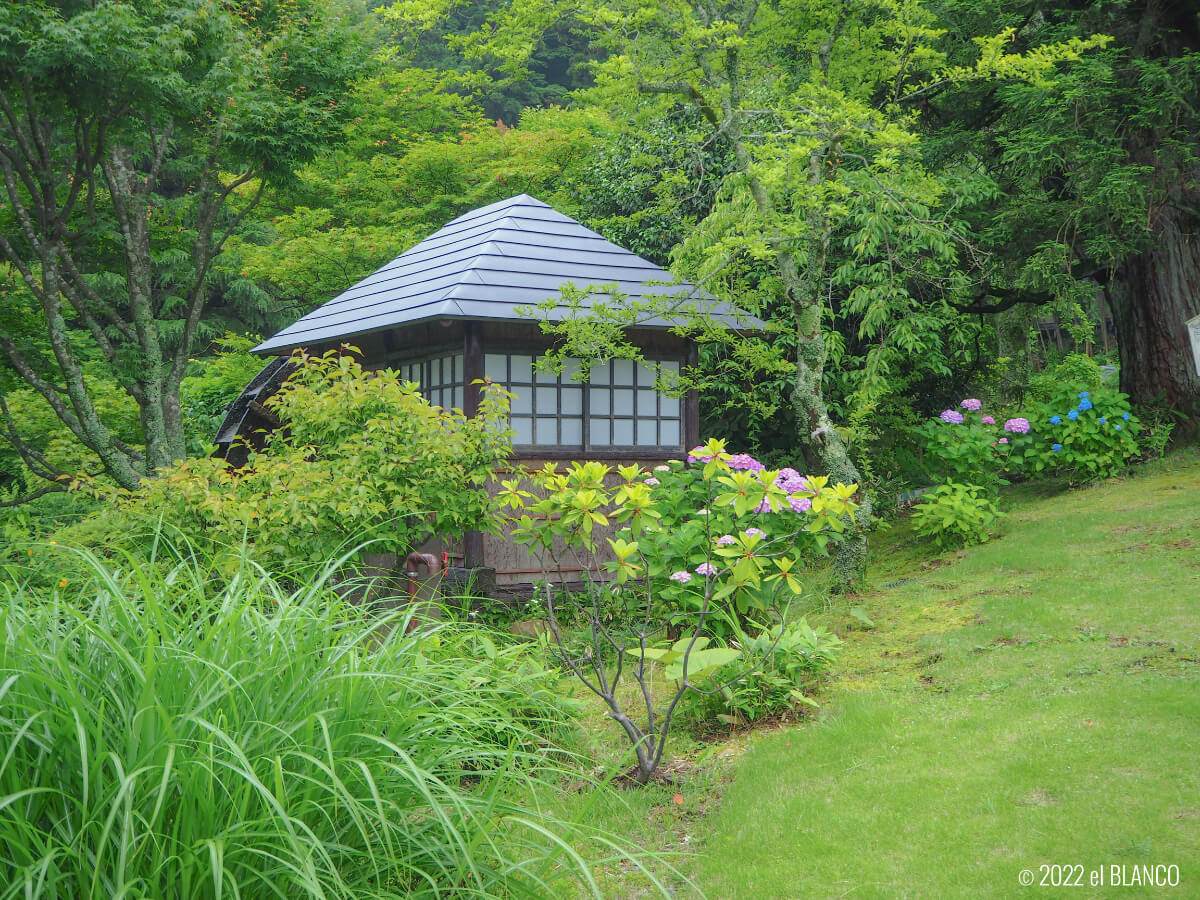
[(696, 548)]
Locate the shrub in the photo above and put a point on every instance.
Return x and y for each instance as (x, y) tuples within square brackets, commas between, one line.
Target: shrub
[(1079, 433), (965, 444), (776, 672), (359, 456), (956, 515), (161, 740), (697, 544), (1076, 369)]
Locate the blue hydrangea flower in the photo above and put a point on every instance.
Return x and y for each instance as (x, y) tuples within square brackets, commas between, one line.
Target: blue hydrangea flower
[(1056, 447), (1085, 394), (1085, 404), (1125, 416), (1103, 421), (1073, 415), (1118, 428), (1056, 420)]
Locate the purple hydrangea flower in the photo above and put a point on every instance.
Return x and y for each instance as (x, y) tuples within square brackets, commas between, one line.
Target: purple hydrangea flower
[(725, 540), (745, 461), (972, 404), (681, 576), (1017, 426), (988, 420), (792, 481), (756, 532), (1004, 440), (705, 569), (697, 454), (763, 507), (799, 504), (651, 481), (953, 416)]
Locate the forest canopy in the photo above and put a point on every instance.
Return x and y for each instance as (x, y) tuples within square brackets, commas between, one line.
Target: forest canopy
[(923, 198)]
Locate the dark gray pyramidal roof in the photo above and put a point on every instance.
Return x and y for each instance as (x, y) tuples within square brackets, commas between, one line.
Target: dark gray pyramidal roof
[(484, 265)]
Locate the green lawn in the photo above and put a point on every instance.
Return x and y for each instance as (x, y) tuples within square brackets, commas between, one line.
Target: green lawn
[(1033, 701)]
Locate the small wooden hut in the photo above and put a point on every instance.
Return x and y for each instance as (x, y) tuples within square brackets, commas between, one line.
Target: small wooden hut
[(445, 313)]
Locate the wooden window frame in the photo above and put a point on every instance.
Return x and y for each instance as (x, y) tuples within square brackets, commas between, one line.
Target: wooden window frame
[(559, 450)]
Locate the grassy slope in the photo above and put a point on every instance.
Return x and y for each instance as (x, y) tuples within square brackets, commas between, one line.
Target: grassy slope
[(1032, 701)]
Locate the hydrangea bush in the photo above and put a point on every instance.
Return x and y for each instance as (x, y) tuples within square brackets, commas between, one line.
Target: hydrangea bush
[(966, 445), (1082, 434), (696, 545)]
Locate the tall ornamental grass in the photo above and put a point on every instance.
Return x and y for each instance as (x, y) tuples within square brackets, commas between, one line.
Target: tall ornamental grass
[(159, 738)]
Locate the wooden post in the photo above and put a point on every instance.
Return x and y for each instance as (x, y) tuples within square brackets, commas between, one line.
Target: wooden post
[(691, 407), (472, 367), (472, 371)]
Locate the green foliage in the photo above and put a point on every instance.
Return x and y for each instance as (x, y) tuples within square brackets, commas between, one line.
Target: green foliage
[(775, 674), (736, 529), (688, 657), (752, 526), (137, 138), (418, 156), (362, 457), (162, 738), (1080, 434), (967, 451), (211, 384), (1078, 370), (956, 515)]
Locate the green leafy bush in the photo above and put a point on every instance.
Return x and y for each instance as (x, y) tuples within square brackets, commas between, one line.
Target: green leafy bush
[(360, 456), (956, 515), (774, 674), (159, 739), (1080, 433), (1076, 369), (695, 545), (965, 445)]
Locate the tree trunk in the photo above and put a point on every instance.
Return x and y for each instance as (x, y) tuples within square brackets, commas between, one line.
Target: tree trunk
[(1153, 295)]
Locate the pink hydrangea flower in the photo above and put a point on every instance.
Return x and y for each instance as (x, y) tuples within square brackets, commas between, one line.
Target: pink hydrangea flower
[(1017, 426), (725, 540), (745, 461), (791, 481), (988, 420), (706, 569), (972, 404), (1004, 440), (681, 576)]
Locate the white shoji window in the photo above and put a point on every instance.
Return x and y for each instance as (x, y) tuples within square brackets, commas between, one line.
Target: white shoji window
[(441, 379), (623, 408)]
